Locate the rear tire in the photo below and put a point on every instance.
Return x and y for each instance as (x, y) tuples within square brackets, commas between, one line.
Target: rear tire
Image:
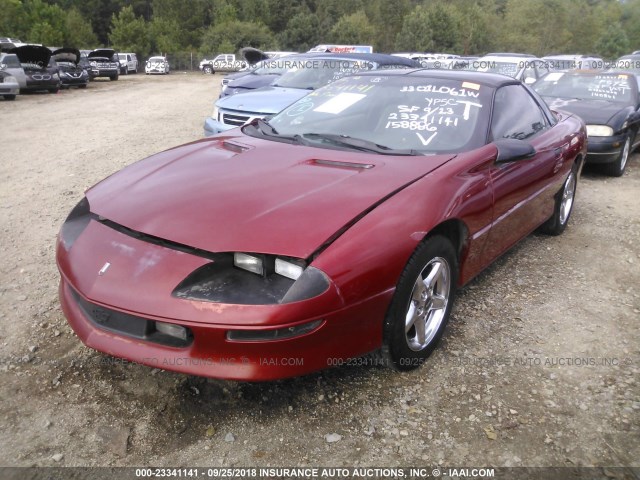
[(421, 306)]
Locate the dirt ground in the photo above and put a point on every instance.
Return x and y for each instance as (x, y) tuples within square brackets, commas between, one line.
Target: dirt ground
[(539, 367)]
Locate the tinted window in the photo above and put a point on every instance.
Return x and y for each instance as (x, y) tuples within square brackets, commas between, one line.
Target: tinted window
[(11, 61), (516, 114)]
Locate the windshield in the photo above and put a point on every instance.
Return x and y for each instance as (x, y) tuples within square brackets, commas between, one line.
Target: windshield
[(417, 114), (314, 73), (509, 69), (156, 59), (612, 87), (270, 67)]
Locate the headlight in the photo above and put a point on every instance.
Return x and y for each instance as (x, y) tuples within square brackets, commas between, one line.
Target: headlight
[(252, 279), (93, 64), (55, 76), (249, 262), (215, 113), (599, 131), (288, 269), (10, 79)]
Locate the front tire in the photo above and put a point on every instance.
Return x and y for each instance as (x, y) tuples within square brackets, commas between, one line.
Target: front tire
[(616, 169), (564, 205), (9, 97), (207, 69), (421, 305)]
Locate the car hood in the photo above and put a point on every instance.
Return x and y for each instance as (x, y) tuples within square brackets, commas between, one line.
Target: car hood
[(253, 81), (253, 55), (67, 55), (238, 193), (266, 100), (593, 112), (102, 53), (33, 54), (155, 63)]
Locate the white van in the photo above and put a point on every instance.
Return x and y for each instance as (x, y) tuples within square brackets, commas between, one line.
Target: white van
[(128, 63)]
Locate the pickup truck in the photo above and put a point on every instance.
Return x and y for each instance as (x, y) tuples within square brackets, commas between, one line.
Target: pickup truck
[(225, 62)]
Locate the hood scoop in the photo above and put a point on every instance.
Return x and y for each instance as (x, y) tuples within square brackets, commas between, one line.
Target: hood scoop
[(234, 146), (339, 164)]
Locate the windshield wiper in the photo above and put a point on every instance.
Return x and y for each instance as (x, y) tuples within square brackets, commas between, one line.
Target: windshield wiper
[(360, 144), (267, 130)]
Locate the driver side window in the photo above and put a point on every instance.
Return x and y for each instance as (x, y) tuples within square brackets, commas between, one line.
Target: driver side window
[(516, 114)]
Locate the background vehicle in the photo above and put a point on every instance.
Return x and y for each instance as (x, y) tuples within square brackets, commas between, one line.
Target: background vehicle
[(526, 68), (40, 69), (128, 63), (9, 87), (157, 65), (105, 61), (265, 73), (630, 63), (9, 63), (330, 48), (225, 62), (308, 72), (610, 106), (573, 62), (71, 73)]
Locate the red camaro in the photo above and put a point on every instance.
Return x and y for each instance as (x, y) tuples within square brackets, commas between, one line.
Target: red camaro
[(342, 226)]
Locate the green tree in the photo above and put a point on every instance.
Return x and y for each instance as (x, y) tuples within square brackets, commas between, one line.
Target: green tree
[(353, 29), (164, 35), (78, 31), (445, 28), (415, 34), (613, 43), (186, 23), (46, 23), (13, 19), (434, 28), (231, 36), (302, 33), (129, 33), (540, 27)]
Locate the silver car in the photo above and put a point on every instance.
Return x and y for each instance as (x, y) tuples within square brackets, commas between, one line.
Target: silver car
[(9, 87), (10, 64)]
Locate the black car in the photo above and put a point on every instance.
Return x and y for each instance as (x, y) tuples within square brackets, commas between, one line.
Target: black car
[(69, 69), (609, 104), (40, 69), (105, 60)]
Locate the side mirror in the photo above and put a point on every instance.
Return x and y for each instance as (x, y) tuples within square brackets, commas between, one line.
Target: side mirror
[(510, 150)]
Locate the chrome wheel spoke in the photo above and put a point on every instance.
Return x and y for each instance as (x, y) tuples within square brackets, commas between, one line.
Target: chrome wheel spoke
[(434, 275), (438, 302), (419, 291), (411, 317), (421, 328)]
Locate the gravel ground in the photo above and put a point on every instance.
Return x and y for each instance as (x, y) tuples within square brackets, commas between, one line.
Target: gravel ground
[(539, 366)]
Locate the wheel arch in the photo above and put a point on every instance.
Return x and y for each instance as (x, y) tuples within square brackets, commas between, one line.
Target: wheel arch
[(455, 230)]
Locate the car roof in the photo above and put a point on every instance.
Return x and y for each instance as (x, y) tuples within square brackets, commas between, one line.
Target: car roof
[(379, 58), (493, 80), (507, 58)]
